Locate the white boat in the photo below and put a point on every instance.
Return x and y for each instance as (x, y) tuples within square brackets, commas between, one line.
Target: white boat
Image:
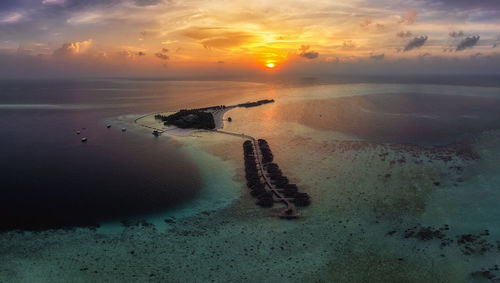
[(77, 132), (123, 129), (84, 139)]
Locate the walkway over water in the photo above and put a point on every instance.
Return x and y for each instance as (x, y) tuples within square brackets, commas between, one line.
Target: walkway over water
[(290, 211)]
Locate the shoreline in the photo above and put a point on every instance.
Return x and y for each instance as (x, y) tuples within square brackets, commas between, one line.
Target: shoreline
[(218, 115)]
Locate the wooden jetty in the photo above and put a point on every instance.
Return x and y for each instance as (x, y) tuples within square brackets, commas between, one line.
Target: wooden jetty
[(266, 181)]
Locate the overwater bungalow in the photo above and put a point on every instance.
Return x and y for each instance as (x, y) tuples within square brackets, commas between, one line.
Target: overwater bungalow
[(290, 190), (281, 182), (256, 191), (265, 199), (301, 199)]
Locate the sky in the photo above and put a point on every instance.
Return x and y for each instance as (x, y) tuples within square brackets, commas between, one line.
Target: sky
[(162, 38)]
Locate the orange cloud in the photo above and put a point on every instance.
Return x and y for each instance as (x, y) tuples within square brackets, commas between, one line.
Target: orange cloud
[(219, 38), (73, 48)]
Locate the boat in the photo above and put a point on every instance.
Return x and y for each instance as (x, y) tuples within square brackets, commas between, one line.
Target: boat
[(108, 126), (124, 129), (84, 139), (77, 132), (156, 133)]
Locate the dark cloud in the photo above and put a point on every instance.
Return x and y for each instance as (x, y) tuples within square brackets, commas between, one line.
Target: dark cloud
[(378, 57), (417, 42), (467, 42), (456, 34), (41, 19), (78, 5), (144, 3), (306, 53), (404, 34), (69, 4), (466, 4), (7, 4), (162, 56), (310, 54), (140, 53)]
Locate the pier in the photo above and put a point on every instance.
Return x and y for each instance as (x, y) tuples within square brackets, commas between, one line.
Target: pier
[(267, 182)]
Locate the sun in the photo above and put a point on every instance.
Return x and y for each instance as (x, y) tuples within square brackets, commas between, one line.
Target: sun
[(270, 65)]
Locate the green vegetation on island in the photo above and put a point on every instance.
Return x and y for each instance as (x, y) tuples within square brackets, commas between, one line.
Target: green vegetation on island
[(199, 118), (256, 103), (184, 119)]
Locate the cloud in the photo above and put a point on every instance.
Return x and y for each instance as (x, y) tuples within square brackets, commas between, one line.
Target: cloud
[(378, 57), (73, 48), (456, 34), (417, 42), (409, 18), (422, 57), (467, 42), (476, 56), (467, 4), (164, 50), (53, 2), (308, 54), (162, 56), (365, 23), (9, 18), (220, 62), (349, 44), (168, 42), (144, 3), (497, 42), (404, 34), (125, 53), (219, 38)]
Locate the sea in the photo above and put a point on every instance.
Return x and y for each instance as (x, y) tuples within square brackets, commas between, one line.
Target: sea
[(403, 176)]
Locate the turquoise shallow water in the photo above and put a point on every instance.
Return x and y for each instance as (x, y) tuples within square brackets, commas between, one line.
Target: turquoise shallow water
[(366, 203)]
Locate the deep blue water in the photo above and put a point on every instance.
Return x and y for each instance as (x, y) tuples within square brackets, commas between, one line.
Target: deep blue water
[(50, 179)]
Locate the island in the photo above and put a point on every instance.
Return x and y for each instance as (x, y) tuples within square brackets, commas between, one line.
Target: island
[(256, 103), (207, 118), (192, 119)]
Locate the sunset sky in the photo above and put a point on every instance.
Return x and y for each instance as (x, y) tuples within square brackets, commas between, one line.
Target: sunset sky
[(200, 37)]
